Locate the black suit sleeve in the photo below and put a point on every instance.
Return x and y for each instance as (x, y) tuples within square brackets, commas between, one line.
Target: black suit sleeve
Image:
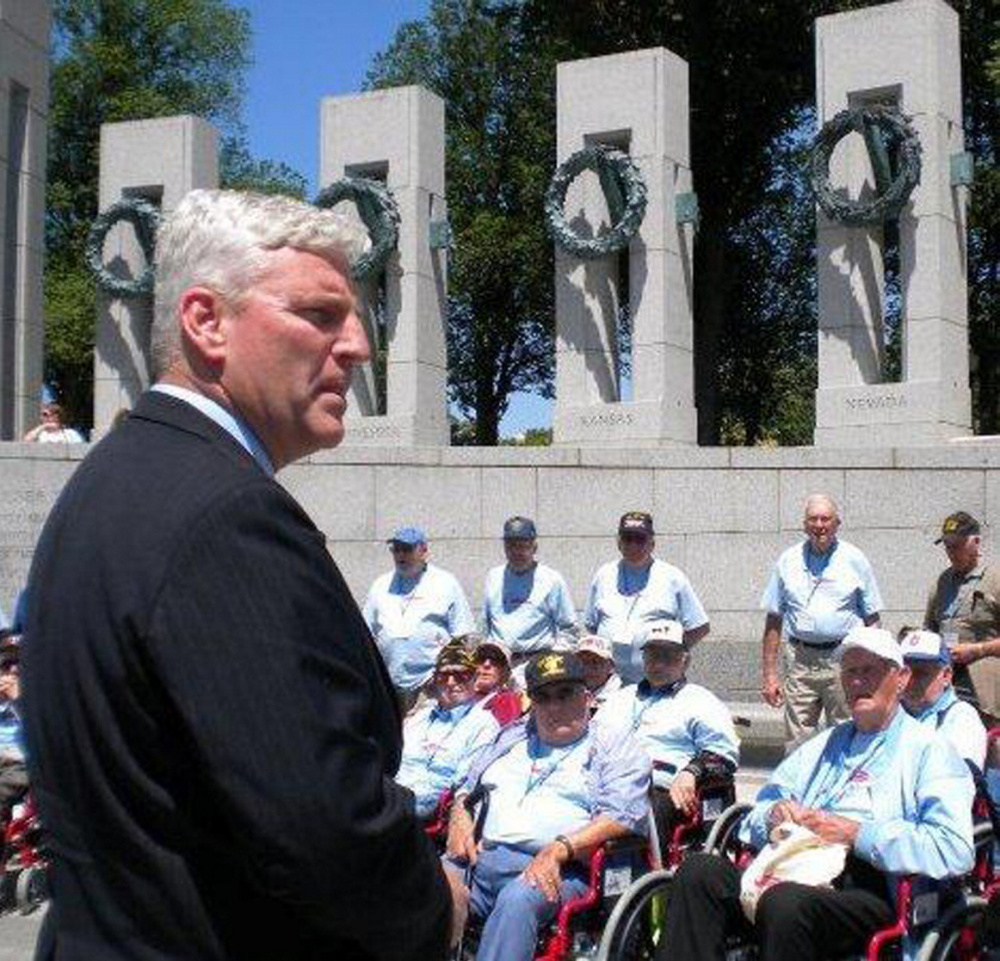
[(278, 693)]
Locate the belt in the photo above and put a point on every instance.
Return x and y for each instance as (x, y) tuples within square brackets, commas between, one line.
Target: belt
[(815, 645)]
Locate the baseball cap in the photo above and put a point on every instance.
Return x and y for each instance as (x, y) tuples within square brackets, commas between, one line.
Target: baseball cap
[(553, 668), (595, 644), (639, 522), (663, 633), (411, 536), (455, 655), (958, 524), (491, 647), (519, 529), (875, 640), (924, 646)]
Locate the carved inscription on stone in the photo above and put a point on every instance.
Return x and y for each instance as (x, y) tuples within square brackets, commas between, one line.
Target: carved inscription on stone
[(376, 432), (882, 402), (611, 418), (22, 514)]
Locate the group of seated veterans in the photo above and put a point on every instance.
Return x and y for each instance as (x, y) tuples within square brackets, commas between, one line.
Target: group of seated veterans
[(892, 785)]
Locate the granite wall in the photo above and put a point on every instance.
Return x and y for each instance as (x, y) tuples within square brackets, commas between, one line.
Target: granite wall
[(722, 514)]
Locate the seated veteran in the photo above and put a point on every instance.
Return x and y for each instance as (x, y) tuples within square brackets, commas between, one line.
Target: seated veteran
[(931, 698), (685, 729), (494, 687), (882, 784), (558, 788), (599, 672), (441, 738)]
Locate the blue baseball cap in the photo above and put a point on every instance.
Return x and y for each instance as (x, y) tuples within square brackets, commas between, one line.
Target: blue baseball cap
[(411, 536), (519, 529), (924, 646)]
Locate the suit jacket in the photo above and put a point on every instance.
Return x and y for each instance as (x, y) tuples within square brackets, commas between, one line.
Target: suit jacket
[(211, 731)]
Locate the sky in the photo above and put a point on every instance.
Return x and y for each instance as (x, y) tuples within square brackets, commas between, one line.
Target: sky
[(305, 50)]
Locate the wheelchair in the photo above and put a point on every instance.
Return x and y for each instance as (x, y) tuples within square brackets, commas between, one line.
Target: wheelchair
[(616, 867), (24, 862), (944, 918)]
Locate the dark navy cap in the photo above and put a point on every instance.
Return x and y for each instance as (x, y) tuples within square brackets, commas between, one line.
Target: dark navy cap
[(519, 529), (553, 668)]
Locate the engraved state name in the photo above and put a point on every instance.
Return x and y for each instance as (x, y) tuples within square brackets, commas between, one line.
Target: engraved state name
[(609, 419), (885, 402)]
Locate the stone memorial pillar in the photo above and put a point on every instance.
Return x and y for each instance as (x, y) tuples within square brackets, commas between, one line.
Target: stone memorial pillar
[(906, 54), (397, 136), (159, 161), (24, 100), (638, 103)]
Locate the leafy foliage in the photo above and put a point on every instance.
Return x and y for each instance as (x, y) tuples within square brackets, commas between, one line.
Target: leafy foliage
[(500, 152)]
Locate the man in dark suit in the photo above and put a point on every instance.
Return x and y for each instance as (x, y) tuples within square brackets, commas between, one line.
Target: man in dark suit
[(211, 732)]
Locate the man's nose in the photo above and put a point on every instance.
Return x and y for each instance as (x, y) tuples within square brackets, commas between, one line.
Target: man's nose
[(353, 344)]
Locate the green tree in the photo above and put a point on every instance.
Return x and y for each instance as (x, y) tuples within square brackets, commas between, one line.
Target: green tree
[(117, 60), (497, 83)]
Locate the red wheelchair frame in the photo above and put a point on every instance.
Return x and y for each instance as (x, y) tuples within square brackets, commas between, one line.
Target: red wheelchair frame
[(23, 880)]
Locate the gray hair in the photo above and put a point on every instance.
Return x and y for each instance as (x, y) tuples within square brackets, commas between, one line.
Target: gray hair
[(825, 499), (221, 239)]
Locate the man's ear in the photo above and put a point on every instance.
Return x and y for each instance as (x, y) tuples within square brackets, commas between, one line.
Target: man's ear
[(203, 334)]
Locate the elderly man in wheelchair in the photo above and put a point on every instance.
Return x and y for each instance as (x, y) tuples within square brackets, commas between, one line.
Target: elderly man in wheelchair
[(888, 789), (685, 729), (557, 789)]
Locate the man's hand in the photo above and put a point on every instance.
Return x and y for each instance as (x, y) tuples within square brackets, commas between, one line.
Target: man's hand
[(830, 827), (682, 792), (966, 653), (783, 811), (545, 871), (771, 691), (459, 902), (10, 687), (461, 843)]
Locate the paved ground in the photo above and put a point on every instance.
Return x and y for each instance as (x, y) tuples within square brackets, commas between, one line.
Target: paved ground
[(18, 934)]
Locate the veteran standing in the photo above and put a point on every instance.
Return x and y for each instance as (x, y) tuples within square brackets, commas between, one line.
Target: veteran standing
[(819, 589), (628, 594), (964, 608)]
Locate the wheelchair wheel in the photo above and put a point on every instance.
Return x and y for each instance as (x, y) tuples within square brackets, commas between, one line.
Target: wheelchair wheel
[(957, 934), (722, 839), (635, 926), (32, 889)]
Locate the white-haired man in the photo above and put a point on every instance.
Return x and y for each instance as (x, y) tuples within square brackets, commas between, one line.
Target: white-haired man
[(211, 730), (891, 791), (819, 589)]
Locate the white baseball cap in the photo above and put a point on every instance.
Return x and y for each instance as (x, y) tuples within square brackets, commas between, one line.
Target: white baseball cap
[(924, 646), (875, 640), (595, 644), (664, 633)]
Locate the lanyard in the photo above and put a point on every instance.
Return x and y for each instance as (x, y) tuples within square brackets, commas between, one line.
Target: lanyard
[(815, 579), (833, 786), (654, 698), (537, 777), (432, 749)]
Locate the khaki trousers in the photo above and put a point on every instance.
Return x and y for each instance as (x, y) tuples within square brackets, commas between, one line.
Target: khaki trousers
[(812, 687)]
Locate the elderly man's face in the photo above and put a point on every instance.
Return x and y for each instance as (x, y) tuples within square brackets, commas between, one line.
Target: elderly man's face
[(596, 669), (520, 552), (408, 558), (561, 712), (820, 524), (454, 686), (491, 672), (292, 344), (636, 547), (928, 681), (663, 663), (963, 552), (873, 687)]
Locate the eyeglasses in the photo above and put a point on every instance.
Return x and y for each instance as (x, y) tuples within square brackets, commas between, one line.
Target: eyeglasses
[(632, 537), (556, 695), (456, 677)]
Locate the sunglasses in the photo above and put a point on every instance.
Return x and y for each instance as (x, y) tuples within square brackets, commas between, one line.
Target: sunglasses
[(459, 677), (634, 538), (557, 695)]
